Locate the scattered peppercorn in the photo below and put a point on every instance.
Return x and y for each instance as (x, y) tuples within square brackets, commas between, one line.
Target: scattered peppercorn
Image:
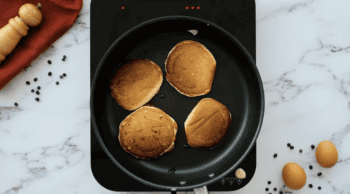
[(35, 79), (319, 188), (16, 104), (269, 182), (310, 185), (267, 189), (312, 146), (32, 90), (57, 83), (310, 167), (37, 99), (64, 58), (61, 76), (49, 62), (319, 174), (50, 73), (64, 74), (291, 147), (39, 87), (275, 189), (288, 144), (27, 82), (275, 155), (281, 192), (37, 92), (301, 151), (162, 96)]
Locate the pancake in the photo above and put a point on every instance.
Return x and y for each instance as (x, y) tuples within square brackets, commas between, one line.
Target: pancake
[(135, 83), (190, 68), (207, 124), (148, 132)]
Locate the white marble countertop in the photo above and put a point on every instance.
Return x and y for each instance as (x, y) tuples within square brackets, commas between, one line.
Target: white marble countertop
[(303, 55)]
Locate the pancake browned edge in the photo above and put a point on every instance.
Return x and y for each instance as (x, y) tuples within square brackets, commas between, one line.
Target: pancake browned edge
[(148, 132), (207, 124), (190, 68), (136, 83)]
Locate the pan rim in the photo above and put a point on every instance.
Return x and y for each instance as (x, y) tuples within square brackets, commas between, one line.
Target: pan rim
[(254, 69)]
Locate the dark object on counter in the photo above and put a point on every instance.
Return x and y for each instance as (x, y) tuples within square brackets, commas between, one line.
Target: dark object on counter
[(16, 104), (32, 90), (275, 189), (310, 167), (319, 174), (61, 76), (310, 185), (288, 144), (57, 83), (39, 87), (275, 155), (37, 92), (312, 147), (291, 147), (319, 188), (27, 82), (64, 58), (269, 182), (35, 79), (267, 189), (50, 73), (37, 99), (281, 192), (64, 74), (301, 151), (49, 62)]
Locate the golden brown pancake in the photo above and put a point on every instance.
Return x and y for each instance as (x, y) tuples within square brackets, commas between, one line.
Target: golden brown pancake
[(147, 132), (135, 83), (190, 68), (207, 124)]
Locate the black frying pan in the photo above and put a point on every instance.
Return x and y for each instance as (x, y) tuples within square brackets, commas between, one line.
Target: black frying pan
[(237, 84)]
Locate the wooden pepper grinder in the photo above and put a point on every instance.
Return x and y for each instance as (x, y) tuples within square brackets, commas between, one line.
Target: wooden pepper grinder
[(17, 27)]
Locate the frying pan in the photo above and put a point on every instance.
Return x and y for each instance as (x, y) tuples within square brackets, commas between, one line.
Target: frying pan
[(237, 85)]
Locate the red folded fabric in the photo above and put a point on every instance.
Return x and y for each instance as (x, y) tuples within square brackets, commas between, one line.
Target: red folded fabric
[(58, 17)]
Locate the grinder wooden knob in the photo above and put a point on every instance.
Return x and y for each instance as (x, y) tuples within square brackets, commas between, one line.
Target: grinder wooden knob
[(17, 27)]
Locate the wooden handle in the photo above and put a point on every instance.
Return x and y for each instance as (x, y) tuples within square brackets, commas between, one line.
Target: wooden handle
[(17, 27)]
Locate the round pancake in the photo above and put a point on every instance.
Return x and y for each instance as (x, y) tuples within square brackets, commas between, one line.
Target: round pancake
[(147, 132), (207, 124), (135, 83), (190, 68)]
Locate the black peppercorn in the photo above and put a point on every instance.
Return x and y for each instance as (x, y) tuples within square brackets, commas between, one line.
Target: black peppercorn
[(32, 90), (49, 62), (39, 87), (310, 185), (37, 92), (61, 76), (35, 79), (288, 144), (27, 82), (269, 182), (310, 167), (64, 58), (319, 188), (267, 189), (162, 96), (300, 150), (57, 83), (50, 73), (281, 192), (16, 104), (37, 99), (275, 155), (312, 147), (64, 74), (319, 174), (291, 147), (275, 189)]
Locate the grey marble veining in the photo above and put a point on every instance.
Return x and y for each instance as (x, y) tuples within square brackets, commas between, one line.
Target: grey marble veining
[(303, 56)]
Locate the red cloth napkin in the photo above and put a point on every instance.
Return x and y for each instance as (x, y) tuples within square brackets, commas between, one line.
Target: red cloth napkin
[(58, 17)]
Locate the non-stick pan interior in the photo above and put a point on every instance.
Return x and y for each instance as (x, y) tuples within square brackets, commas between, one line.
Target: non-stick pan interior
[(236, 84)]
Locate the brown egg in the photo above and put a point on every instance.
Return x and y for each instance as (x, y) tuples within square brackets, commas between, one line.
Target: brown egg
[(326, 154), (293, 176)]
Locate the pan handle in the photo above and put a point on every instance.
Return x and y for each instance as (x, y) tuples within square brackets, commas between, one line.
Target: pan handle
[(201, 190)]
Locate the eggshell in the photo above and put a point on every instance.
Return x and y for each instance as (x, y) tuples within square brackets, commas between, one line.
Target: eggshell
[(293, 176), (326, 154)]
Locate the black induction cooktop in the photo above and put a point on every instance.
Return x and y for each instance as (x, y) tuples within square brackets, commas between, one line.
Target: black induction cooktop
[(111, 18)]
